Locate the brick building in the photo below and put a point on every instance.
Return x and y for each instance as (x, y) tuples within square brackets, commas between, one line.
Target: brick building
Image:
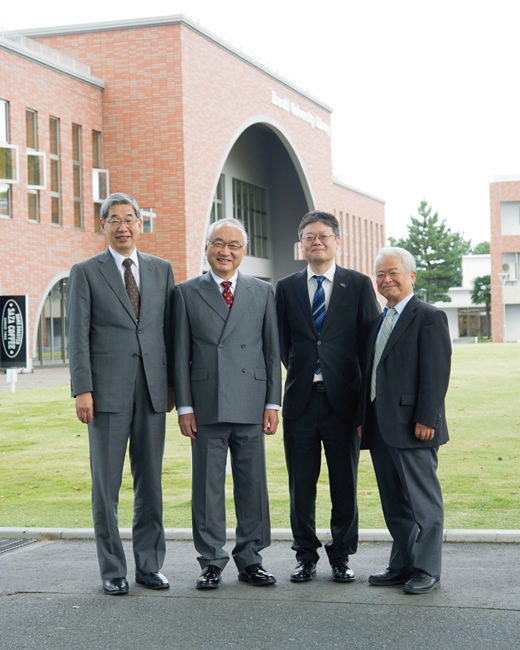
[(505, 258), (168, 112)]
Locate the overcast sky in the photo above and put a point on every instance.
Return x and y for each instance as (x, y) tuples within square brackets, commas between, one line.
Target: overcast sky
[(425, 94)]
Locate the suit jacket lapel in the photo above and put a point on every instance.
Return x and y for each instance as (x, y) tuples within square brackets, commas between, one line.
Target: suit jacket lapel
[(401, 326), (109, 271), (145, 292), (301, 291), (241, 299), (210, 293), (339, 292)]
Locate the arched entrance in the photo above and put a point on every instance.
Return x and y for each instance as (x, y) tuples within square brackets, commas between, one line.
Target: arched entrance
[(51, 343), (263, 184)]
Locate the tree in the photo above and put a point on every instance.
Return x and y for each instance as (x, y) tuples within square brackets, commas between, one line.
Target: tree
[(481, 295), (438, 254), (481, 249)]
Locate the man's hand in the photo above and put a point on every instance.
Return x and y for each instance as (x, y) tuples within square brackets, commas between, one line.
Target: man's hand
[(171, 399), (270, 421), (359, 429), (85, 407), (423, 432), (188, 425)]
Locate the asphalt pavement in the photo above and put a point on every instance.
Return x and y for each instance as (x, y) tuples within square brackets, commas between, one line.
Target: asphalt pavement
[(51, 597)]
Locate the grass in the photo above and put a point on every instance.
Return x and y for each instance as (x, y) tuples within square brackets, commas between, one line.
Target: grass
[(45, 476)]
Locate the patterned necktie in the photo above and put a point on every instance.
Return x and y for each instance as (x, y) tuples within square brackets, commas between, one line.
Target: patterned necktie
[(381, 340), (318, 310), (131, 286), (226, 294)]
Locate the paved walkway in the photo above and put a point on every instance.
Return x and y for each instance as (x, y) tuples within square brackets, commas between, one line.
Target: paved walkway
[(40, 377), (51, 597)]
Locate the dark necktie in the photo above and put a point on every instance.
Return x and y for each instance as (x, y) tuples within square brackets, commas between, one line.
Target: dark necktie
[(131, 286), (226, 294), (382, 338), (318, 310)]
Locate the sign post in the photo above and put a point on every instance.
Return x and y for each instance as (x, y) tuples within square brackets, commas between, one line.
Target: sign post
[(13, 335)]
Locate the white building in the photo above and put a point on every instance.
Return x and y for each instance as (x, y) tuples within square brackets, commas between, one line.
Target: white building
[(464, 318)]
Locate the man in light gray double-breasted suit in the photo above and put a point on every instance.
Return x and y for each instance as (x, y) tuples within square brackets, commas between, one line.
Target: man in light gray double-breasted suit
[(119, 308), (227, 379)]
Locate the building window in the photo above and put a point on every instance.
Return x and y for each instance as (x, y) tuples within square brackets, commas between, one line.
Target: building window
[(347, 238), (217, 209), (148, 216), (250, 207), (35, 165), (51, 344), (96, 150), (100, 178), (5, 200), (8, 161), (54, 146), (33, 204), (31, 129), (76, 176)]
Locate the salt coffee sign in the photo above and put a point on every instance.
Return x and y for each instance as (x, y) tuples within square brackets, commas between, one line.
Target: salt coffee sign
[(13, 331)]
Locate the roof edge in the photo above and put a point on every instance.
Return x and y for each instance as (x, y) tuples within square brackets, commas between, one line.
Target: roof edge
[(161, 21)]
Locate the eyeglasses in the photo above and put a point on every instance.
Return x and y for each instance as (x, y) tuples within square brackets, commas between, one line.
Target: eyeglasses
[(218, 243), (116, 223), (310, 239)]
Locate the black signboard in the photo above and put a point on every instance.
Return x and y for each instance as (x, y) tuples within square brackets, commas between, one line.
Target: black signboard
[(13, 331)]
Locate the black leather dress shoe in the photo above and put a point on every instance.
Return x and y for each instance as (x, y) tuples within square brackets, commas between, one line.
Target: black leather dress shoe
[(389, 577), (341, 572), (115, 586), (305, 570), (421, 583), (210, 577), (256, 575), (153, 580)]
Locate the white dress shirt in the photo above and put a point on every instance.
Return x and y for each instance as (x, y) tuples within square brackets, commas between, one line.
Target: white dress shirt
[(119, 259)]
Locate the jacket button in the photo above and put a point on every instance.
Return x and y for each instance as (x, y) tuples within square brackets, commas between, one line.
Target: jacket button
[(220, 345), (319, 342), (243, 370), (243, 346)]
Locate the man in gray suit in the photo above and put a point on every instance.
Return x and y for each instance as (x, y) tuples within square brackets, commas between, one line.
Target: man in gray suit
[(119, 306), (227, 379), (404, 422)]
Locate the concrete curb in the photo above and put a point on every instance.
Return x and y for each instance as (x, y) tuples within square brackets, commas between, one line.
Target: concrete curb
[(490, 536)]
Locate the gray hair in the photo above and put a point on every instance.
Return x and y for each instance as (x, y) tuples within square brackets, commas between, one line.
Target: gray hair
[(118, 198), (236, 223), (395, 251)]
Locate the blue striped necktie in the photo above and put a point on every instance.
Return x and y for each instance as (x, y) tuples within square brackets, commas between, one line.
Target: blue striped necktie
[(381, 340), (318, 310)]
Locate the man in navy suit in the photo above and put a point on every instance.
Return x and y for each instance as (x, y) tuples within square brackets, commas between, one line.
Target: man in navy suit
[(405, 382), (324, 313)]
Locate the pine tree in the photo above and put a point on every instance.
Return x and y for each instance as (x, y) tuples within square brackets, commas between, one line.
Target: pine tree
[(438, 254)]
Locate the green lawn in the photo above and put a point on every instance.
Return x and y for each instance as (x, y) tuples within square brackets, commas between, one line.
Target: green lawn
[(45, 478)]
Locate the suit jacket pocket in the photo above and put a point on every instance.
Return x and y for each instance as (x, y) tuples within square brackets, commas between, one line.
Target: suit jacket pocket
[(408, 399), (199, 374), (261, 374)]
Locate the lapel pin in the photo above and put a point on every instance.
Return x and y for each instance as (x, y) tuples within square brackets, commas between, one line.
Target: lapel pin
[(342, 284)]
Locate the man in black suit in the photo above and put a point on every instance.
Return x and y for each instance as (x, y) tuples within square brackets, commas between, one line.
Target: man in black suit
[(323, 313), (405, 382)]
